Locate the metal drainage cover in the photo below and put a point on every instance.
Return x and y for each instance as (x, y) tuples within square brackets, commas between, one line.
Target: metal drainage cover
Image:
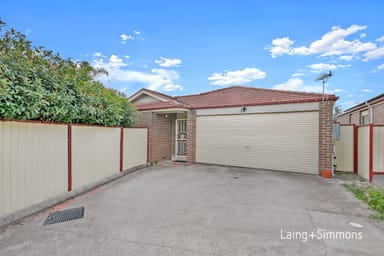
[(64, 215)]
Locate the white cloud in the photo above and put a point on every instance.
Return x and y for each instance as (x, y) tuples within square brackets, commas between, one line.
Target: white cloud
[(346, 57), (165, 62), (97, 55), (380, 39), (125, 37), (173, 87), (380, 67), (338, 90), (281, 46), (374, 54), (154, 79), (316, 68), (293, 84), (297, 84), (297, 74), (331, 43), (115, 61), (366, 90), (319, 67), (136, 35), (363, 35), (237, 77)]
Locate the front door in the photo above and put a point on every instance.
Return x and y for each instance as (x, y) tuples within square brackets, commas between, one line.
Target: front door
[(181, 138)]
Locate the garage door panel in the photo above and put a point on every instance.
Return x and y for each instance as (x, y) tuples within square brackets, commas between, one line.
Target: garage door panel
[(281, 141)]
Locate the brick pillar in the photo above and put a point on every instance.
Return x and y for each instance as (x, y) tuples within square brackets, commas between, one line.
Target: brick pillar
[(191, 139), (325, 135)]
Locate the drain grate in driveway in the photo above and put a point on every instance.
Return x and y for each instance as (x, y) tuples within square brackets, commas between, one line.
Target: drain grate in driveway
[(64, 215)]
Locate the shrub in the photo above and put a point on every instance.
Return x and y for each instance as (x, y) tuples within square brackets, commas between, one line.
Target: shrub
[(36, 84)]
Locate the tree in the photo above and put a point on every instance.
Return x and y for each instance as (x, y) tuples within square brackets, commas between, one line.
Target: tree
[(36, 84), (337, 111)]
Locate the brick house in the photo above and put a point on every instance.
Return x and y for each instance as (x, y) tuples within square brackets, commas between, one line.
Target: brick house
[(240, 126), (369, 112)]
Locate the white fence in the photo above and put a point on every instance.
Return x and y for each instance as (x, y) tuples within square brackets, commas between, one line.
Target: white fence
[(344, 149), (378, 149), (40, 161), (361, 150)]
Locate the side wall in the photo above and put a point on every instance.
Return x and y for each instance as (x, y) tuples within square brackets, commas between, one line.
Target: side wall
[(378, 114), (343, 119)]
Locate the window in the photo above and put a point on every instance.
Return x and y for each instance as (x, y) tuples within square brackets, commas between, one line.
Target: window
[(364, 117)]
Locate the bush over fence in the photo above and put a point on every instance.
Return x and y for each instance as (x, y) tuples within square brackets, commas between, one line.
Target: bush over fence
[(36, 84)]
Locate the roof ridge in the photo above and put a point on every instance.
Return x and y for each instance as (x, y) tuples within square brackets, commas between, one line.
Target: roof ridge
[(156, 92), (252, 88), (220, 89)]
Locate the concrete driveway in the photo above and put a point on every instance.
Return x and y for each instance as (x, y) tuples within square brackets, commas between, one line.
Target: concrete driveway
[(205, 210)]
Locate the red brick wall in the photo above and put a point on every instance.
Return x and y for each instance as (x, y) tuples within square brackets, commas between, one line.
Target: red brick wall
[(325, 135), (355, 118), (159, 134), (343, 119), (378, 114), (191, 133)]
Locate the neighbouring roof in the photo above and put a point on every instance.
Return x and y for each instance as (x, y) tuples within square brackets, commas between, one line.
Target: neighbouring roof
[(157, 95), (232, 97), (360, 106)]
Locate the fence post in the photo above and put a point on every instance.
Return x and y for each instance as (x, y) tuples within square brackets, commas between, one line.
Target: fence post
[(69, 157), (355, 148), (370, 152), (121, 148)]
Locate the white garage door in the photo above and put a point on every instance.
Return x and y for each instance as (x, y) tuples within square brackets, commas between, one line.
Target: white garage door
[(276, 141)]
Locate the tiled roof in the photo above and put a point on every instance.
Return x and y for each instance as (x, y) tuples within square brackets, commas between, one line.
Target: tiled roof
[(374, 100), (237, 96), (161, 105), (248, 96)]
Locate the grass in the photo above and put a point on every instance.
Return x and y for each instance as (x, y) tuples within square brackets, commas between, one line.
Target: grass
[(374, 197)]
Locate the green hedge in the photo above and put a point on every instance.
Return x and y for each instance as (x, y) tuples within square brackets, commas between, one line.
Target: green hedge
[(36, 84)]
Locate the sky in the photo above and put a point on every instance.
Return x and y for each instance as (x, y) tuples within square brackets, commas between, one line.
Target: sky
[(188, 47)]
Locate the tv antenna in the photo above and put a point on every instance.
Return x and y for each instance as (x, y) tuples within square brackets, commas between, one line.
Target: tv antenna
[(324, 77)]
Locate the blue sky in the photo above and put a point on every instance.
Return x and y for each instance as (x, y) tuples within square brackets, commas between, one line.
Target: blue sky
[(186, 47)]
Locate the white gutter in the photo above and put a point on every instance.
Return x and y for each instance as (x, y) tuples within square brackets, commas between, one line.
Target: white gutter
[(370, 112)]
